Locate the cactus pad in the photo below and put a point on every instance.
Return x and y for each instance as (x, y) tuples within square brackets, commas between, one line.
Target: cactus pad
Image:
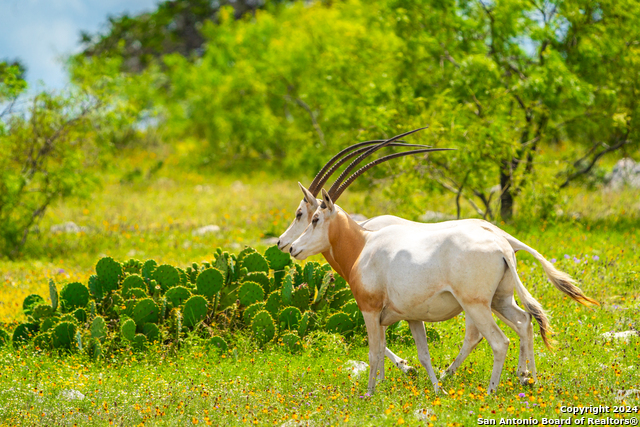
[(218, 343), (151, 331), (4, 337), (178, 295), (255, 262), (292, 341), (277, 259), (109, 272), (24, 332), (327, 280), (95, 287), (353, 311), (140, 342), (289, 318), (135, 293), (48, 323), (132, 282), (53, 294), (274, 303), (133, 266), (148, 268), (42, 311), (167, 276), (209, 282), (42, 341), (305, 323), (63, 335), (250, 293), (262, 327), (339, 323), (309, 273), (301, 297), (195, 310), (73, 295), (30, 303), (98, 328), (260, 278), (80, 314), (340, 298), (250, 311), (287, 287), (243, 253), (145, 311), (128, 329)]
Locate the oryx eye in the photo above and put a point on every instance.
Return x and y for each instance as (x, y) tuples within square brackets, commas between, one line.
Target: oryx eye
[(298, 214), (314, 221)]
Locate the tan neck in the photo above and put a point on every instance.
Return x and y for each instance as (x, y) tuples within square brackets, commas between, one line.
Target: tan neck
[(347, 240)]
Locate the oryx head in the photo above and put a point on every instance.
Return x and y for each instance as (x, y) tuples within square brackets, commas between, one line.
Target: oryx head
[(309, 203), (315, 238)]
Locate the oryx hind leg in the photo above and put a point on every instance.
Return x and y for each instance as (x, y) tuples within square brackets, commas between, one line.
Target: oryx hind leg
[(401, 363), (420, 338), (520, 321), (472, 338), (377, 345), (480, 314)]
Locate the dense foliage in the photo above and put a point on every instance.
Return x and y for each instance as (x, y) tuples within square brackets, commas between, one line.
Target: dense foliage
[(501, 81)]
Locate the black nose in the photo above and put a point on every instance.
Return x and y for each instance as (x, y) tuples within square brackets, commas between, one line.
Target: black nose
[(290, 249), (278, 243)]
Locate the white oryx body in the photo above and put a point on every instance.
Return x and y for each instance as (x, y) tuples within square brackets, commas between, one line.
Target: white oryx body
[(419, 273)]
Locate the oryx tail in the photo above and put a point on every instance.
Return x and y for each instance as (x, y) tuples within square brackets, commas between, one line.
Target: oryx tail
[(562, 281)]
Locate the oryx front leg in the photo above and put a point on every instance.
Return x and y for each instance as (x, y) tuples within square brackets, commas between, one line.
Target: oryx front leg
[(402, 364), (472, 338), (420, 338), (377, 345), (481, 316)]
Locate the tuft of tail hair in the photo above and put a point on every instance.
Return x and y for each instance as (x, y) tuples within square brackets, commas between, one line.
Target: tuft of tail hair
[(565, 284)]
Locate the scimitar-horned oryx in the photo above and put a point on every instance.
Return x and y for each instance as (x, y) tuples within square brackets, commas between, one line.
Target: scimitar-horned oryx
[(409, 272)]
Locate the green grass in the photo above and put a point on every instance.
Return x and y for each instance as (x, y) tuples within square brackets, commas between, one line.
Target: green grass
[(154, 218)]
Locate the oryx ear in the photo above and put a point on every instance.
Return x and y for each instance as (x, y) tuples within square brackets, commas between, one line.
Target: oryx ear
[(308, 197), (327, 200)]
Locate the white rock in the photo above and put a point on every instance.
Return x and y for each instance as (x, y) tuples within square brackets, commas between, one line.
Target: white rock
[(356, 368), (423, 414), (621, 336), (358, 217), (431, 216), (71, 395), (625, 172), (626, 394), (207, 229), (67, 227)]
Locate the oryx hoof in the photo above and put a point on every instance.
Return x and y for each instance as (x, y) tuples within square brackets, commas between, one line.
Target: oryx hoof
[(527, 378), (407, 369)]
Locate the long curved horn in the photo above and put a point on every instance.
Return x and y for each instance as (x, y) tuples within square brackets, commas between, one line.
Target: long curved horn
[(336, 190), (367, 153), (322, 176), (342, 161)]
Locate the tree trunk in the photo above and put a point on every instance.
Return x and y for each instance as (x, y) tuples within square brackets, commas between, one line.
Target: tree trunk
[(506, 195)]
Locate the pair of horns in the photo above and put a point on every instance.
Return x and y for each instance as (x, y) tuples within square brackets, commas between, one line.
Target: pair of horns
[(363, 151)]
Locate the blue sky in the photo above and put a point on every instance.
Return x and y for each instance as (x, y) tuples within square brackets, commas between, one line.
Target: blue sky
[(41, 32)]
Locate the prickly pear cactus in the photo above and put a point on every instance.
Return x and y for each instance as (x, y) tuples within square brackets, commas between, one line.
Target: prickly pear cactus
[(152, 332), (42, 341), (145, 311), (109, 272), (80, 314), (133, 266), (53, 294), (340, 298), (148, 268), (309, 273), (277, 259), (48, 323), (301, 297), (139, 342), (4, 338), (340, 323), (94, 349), (23, 333), (98, 328), (178, 295), (287, 287), (92, 308), (222, 265), (135, 293), (218, 343), (128, 329), (353, 311), (63, 335), (250, 293), (30, 303), (73, 295), (243, 253), (209, 282), (42, 311), (95, 287), (133, 282), (292, 341), (263, 327), (184, 280), (195, 310), (327, 280), (255, 262), (305, 323), (250, 311), (260, 278), (289, 318), (274, 303), (167, 276)]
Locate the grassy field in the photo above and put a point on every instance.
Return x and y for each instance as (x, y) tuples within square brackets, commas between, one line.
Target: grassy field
[(153, 215)]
